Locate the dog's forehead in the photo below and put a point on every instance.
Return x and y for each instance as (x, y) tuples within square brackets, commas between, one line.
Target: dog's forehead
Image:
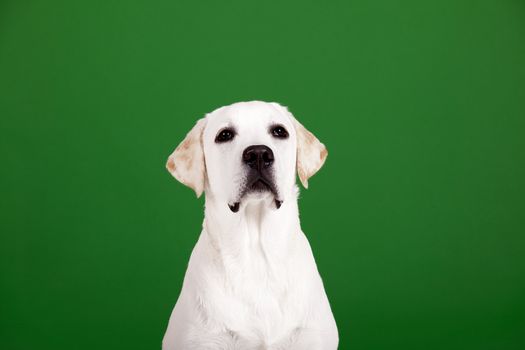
[(247, 115)]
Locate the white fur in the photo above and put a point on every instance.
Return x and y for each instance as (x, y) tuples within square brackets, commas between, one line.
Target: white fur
[(251, 282)]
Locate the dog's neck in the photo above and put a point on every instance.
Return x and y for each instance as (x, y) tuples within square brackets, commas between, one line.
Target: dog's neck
[(257, 226)]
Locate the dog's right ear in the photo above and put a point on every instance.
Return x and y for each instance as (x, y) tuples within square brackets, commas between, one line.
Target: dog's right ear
[(186, 163)]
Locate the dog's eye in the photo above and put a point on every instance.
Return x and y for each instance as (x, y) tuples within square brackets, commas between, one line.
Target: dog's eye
[(225, 135), (279, 132)]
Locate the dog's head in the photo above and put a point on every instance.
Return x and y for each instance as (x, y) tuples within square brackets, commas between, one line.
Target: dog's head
[(247, 151)]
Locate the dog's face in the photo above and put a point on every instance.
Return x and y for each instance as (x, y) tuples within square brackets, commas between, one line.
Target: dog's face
[(248, 151)]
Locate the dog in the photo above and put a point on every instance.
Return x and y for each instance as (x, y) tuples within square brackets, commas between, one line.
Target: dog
[(252, 281)]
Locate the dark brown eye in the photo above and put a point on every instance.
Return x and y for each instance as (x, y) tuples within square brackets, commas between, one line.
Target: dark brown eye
[(225, 135), (279, 132)]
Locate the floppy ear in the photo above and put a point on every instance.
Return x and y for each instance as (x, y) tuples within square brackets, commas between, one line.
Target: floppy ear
[(311, 153), (186, 163)]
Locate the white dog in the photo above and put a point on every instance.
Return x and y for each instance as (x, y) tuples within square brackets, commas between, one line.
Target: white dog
[(251, 282)]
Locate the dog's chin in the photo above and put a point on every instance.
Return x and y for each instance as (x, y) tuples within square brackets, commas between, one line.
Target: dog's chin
[(257, 192)]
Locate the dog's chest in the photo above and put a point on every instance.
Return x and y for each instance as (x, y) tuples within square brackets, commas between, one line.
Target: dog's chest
[(258, 298)]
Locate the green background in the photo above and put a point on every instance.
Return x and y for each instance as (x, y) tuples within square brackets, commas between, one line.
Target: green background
[(417, 220)]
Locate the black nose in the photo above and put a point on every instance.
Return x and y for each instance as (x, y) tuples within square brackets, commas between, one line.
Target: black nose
[(258, 157)]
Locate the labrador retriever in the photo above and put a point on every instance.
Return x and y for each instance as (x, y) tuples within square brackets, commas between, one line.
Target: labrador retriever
[(252, 281)]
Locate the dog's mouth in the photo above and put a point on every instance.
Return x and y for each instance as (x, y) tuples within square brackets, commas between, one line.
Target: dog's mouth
[(258, 184)]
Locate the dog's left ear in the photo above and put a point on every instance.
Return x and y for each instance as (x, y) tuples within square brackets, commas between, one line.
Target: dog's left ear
[(186, 163), (311, 153)]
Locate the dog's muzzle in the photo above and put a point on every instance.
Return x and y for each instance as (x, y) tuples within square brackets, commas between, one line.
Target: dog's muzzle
[(259, 159)]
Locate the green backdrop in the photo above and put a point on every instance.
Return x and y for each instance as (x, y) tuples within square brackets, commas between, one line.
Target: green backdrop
[(417, 220)]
